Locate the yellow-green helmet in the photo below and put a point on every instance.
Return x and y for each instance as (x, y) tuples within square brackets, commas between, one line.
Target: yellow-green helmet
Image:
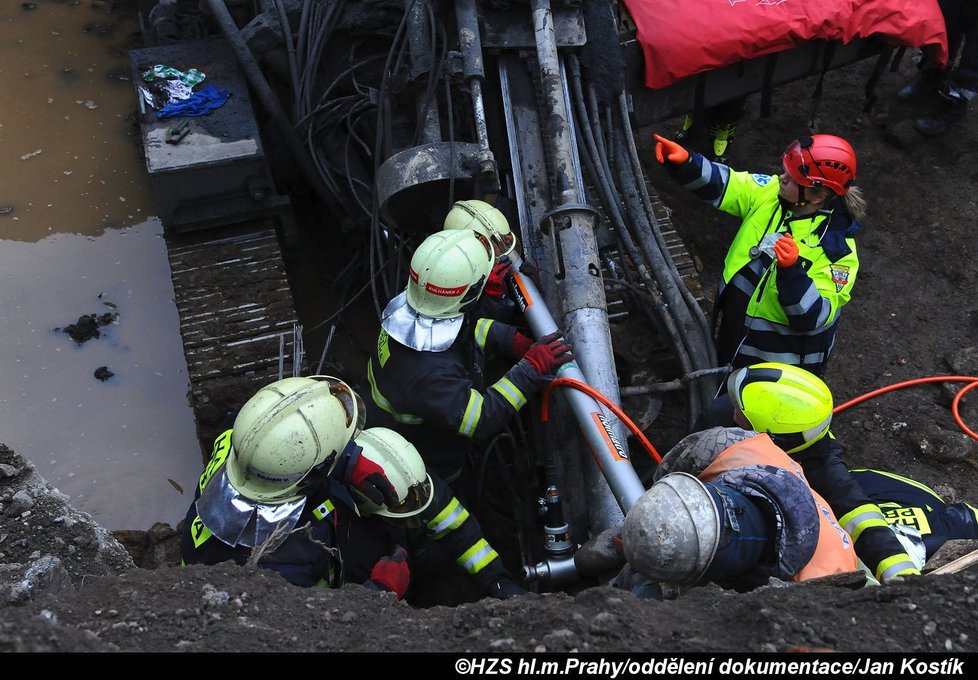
[(288, 428), (448, 272), (787, 402), (485, 219), (404, 467)]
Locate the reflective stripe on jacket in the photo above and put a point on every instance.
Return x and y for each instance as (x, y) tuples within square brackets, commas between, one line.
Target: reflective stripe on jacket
[(906, 501), (436, 399), (876, 545)]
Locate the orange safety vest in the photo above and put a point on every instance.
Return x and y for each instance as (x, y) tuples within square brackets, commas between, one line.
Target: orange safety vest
[(834, 553)]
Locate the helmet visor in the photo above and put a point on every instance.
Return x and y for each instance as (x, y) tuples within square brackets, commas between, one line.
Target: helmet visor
[(356, 410), (503, 244), (416, 500)]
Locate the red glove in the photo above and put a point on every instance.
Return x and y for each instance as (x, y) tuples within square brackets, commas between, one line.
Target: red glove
[(392, 573), (786, 251), (548, 354), (496, 285), (369, 479), (521, 343), (667, 150)]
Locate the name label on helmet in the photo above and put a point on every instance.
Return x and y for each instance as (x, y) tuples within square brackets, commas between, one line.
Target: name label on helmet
[(444, 292), (610, 438)]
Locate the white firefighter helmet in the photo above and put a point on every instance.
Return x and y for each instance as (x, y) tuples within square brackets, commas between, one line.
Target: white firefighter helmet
[(672, 532), (448, 272), (485, 219), (288, 428), (403, 466)]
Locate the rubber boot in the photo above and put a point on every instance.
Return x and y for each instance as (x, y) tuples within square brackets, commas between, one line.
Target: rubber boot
[(937, 123), (722, 136), (925, 84), (686, 131)]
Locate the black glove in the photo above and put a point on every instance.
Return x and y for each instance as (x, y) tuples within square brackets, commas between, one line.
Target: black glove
[(505, 588)]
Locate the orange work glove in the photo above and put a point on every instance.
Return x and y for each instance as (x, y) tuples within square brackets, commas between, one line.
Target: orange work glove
[(667, 150), (786, 251)]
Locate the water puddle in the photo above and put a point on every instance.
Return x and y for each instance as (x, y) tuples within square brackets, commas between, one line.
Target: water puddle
[(78, 237)]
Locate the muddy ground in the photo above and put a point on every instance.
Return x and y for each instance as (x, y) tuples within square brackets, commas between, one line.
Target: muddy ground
[(913, 315)]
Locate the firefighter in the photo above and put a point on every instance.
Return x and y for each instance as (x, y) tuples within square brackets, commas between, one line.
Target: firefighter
[(490, 222), (794, 407), (293, 484), (426, 374), (729, 506), (907, 502), (792, 264)]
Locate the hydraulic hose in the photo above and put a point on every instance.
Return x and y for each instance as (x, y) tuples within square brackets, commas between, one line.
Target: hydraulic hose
[(955, 403), (587, 389)]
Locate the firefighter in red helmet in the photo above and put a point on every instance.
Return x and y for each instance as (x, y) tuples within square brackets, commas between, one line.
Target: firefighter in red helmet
[(792, 264)]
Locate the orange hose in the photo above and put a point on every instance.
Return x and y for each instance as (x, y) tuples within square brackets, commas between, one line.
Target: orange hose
[(587, 389), (973, 382)]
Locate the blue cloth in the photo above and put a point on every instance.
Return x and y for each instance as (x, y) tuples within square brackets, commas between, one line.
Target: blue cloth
[(200, 103)]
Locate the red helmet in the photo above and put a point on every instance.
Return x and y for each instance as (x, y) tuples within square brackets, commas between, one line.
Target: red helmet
[(821, 161)]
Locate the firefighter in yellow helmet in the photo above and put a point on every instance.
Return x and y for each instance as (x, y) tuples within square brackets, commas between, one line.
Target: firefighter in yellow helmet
[(426, 373), (489, 221), (794, 407), (292, 486), (426, 504)]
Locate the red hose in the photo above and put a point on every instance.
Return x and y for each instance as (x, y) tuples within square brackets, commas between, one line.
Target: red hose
[(971, 380), (587, 389)]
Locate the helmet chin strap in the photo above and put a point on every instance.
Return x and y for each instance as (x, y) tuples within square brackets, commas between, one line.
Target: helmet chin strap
[(801, 198)]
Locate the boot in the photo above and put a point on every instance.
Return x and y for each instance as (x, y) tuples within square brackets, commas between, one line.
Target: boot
[(686, 131), (951, 111), (925, 84), (722, 136)]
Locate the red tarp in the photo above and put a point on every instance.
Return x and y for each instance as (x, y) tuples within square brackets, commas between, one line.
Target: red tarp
[(683, 37)]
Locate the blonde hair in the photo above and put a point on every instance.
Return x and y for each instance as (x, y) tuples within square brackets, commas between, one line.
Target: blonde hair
[(855, 203)]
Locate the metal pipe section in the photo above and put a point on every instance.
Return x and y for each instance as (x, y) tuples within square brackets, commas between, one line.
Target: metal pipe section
[(419, 47), (470, 44), (606, 444), (585, 315)]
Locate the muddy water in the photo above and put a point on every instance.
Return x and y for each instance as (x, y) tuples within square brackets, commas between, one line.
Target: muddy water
[(78, 236)]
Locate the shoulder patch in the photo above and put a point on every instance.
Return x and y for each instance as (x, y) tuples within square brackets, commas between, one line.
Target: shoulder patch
[(760, 179), (840, 276)]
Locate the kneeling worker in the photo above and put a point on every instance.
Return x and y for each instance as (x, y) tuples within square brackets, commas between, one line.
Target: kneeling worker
[(729, 506)]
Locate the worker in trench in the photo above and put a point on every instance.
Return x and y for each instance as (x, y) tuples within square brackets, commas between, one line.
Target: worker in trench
[(296, 485), (792, 409), (427, 374)]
